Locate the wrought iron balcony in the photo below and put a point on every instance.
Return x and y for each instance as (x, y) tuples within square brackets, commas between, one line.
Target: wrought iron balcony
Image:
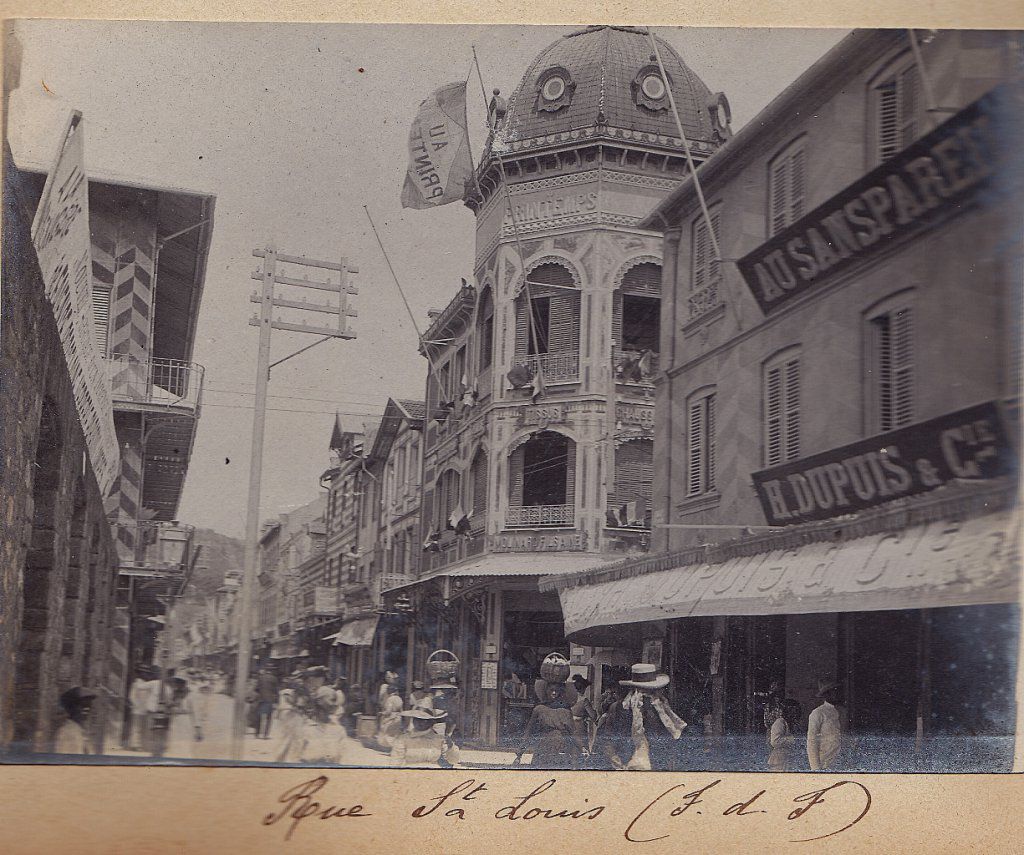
[(152, 548), (163, 383), (541, 516), (634, 366), (560, 366)]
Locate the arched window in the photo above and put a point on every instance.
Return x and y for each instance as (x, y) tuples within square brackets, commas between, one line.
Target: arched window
[(485, 330), (542, 481), (636, 323), (448, 496), (555, 304)]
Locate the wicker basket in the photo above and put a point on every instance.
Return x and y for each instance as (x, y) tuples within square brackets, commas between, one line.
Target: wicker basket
[(554, 668), (440, 668)]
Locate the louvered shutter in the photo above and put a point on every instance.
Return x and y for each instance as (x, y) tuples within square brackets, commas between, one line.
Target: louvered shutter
[(902, 368), (791, 405), (479, 487), (617, 319), (779, 202), (634, 471), (643, 279), (797, 185), (515, 477), (101, 315), (564, 323), (700, 255), (570, 473), (887, 120), (773, 415), (908, 106), (522, 329), (709, 444), (695, 448), (426, 512)]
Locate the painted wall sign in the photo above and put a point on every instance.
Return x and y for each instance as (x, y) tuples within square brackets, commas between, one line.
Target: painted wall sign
[(565, 202), (925, 181), (543, 414), (634, 414), (538, 541), (970, 444)]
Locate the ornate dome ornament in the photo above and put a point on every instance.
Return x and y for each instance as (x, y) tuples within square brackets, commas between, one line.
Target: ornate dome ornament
[(721, 116), (648, 87), (555, 88)]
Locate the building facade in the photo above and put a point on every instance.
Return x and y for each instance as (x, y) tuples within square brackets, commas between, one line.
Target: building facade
[(538, 445), (850, 392)]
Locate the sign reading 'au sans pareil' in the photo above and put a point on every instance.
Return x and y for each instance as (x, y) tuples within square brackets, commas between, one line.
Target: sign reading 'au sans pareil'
[(970, 445), (924, 182)]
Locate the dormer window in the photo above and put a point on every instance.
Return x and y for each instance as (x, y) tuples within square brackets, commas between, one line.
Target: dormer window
[(649, 89), (555, 88)]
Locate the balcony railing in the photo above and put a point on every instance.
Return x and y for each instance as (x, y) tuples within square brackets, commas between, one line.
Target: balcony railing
[(562, 366), (541, 516), (156, 382), (703, 301), (159, 547), (634, 366)]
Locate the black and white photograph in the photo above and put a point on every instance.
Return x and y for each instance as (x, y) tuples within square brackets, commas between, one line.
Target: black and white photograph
[(495, 397)]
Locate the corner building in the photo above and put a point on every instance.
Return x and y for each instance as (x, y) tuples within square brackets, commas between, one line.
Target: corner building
[(553, 481), (854, 384)]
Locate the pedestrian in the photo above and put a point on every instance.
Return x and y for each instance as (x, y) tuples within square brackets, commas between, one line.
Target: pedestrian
[(644, 731), (323, 739), (584, 715), (355, 704), (184, 729), (551, 735), (73, 735), (160, 705), (390, 720), (419, 697), (388, 679), (138, 704), (446, 700), (267, 688), (780, 736), (825, 728), (421, 746)]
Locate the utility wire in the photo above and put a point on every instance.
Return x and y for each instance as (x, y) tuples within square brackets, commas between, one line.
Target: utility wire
[(353, 402)]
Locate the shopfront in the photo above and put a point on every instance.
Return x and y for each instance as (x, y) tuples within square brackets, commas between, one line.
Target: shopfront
[(912, 609)]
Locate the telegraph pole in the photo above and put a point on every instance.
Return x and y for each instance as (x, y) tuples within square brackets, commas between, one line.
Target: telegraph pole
[(266, 322)]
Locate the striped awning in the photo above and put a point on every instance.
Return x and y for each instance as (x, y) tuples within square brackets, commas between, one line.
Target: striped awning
[(945, 562)]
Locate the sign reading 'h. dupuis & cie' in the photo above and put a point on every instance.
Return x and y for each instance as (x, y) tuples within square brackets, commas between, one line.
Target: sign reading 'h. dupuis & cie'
[(970, 445), (925, 182)]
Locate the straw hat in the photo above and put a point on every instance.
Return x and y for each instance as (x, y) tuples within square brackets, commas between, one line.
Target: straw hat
[(425, 715), (645, 676)]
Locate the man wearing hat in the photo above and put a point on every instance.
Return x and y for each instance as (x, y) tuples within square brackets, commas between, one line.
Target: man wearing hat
[(824, 728), (419, 697), (421, 745), (72, 737), (643, 729)]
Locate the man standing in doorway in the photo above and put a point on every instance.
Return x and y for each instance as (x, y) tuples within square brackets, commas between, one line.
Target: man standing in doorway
[(824, 728)]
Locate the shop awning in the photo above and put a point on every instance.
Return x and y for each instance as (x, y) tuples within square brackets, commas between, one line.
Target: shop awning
[(358, 632), (942, 562)]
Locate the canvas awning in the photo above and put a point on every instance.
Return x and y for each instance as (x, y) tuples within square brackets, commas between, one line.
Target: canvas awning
[(358, 632), (942, 562)]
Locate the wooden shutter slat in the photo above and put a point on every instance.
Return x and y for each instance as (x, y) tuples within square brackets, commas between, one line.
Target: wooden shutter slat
[(792, 410), (887, 119), (709, 444)]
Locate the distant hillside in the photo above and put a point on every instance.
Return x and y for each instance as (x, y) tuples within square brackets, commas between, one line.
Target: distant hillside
[(220, 554)]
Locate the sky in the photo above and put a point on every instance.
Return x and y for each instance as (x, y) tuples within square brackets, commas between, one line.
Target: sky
[(294, 128)]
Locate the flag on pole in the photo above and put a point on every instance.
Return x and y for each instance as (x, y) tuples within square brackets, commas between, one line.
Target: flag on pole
[(439, 160)]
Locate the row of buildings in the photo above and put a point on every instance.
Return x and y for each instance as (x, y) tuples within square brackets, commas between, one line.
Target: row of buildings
[(759, 429), (102, 282)]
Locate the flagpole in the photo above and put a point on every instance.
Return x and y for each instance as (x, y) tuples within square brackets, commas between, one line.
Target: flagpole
[(515, 231)]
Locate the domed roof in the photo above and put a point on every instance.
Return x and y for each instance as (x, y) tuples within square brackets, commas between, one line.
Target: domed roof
[(606, 76)]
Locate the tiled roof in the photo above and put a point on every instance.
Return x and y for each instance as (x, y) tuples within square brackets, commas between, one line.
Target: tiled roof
[(415, 409), (603, 62)]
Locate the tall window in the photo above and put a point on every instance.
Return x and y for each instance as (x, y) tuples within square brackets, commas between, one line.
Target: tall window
[(555, 305), (706, 268), (485, 327), (786, 187), (700, 476), (890, 369), (897, 113), (782, 408)]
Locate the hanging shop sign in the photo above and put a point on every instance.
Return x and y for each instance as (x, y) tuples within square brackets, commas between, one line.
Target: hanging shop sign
[(970, 444), (543, 414), (924, 182), (538, 541)]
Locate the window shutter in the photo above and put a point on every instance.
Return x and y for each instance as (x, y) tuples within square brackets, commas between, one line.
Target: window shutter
[(564, 324), (101, 315), (522, 328), (617, 319), (796, 185), (773, 416), (634, 472), (693, 483), (780, 194), (902, 368), (515, 477), (709, 444), (700, 255), (479, 487), (908, 106), (643, 279), (887, 120), (792, 409), (570, 474)]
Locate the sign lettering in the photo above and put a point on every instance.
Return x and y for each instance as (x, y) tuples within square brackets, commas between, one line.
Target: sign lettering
[(539, 541)]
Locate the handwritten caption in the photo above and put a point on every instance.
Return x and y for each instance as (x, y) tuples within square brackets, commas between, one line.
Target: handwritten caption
[(806, 816)]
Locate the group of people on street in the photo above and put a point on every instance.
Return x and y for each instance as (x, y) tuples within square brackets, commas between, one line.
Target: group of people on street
[(166, 709)]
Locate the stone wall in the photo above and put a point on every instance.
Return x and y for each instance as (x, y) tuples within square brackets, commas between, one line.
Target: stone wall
[(57, 562)]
